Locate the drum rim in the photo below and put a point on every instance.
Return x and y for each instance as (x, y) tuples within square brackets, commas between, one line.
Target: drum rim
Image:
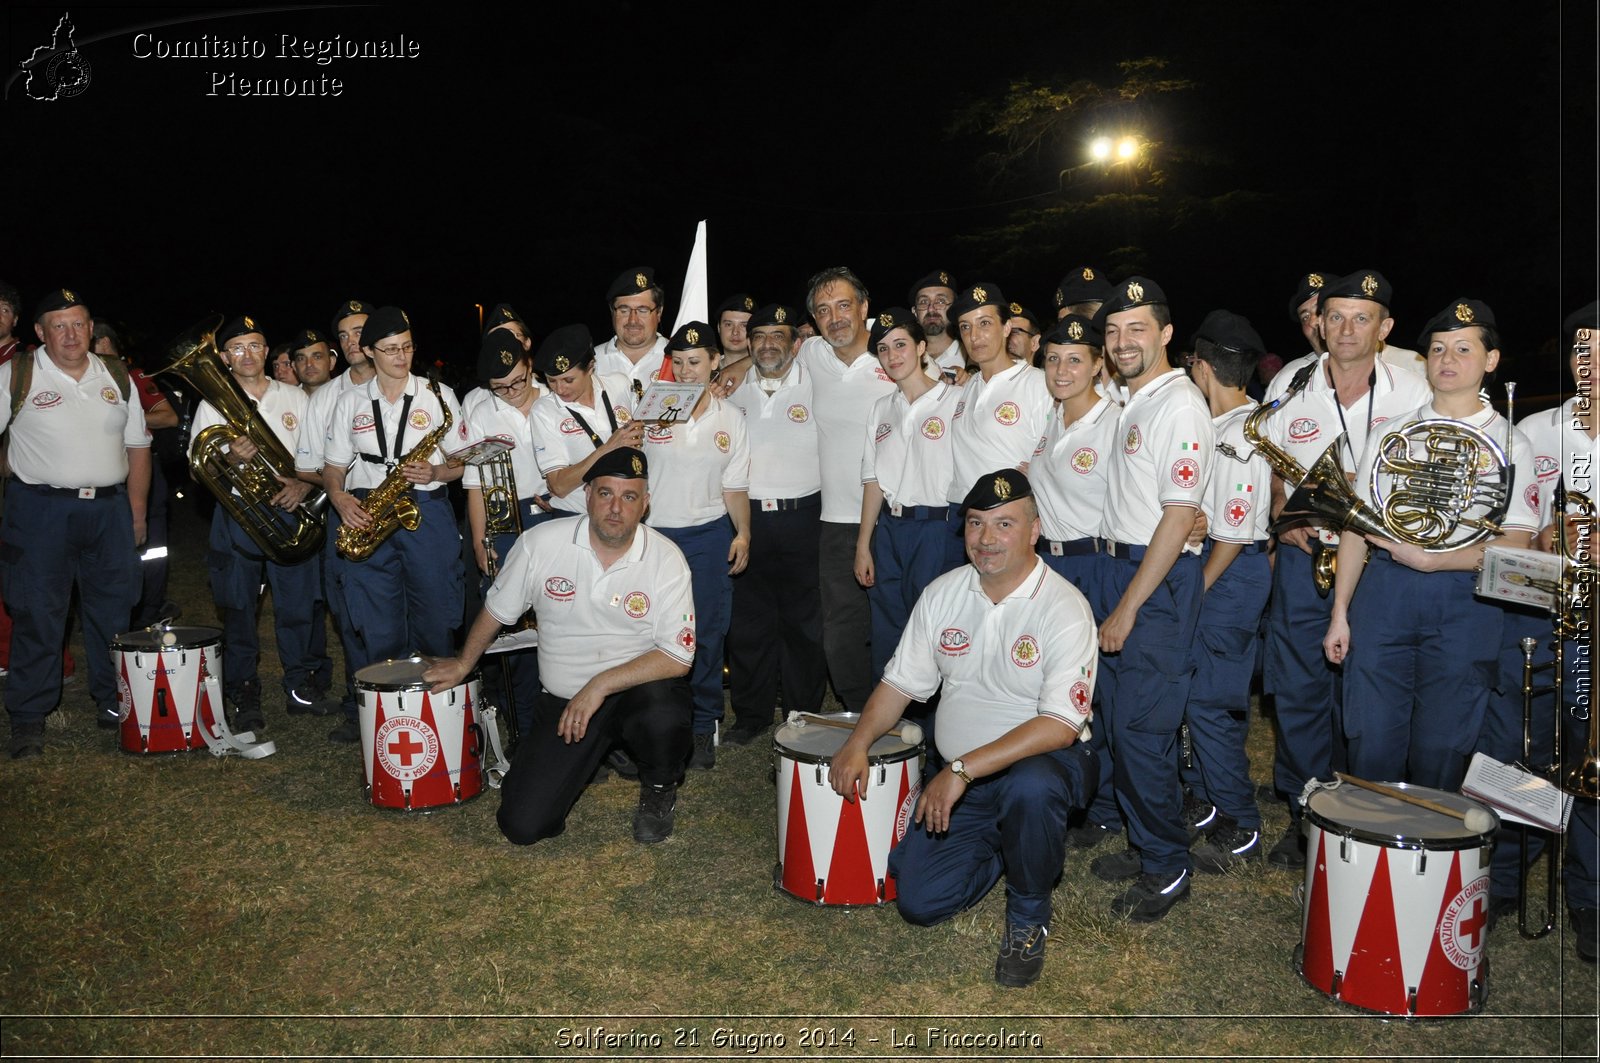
[(213, 639), (873, 759), (1427, 843), (403, 688)]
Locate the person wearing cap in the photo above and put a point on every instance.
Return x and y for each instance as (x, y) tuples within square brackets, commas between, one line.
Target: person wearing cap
[(347, 322), (1349, 391), (700, 499), (405, 598), (637, 353), (312, 359), (585, 415), (733, 321), (500, 407), (75, 512), (1564, 455), (1237, 576), (907, 539), (616, 643), (281, 364), (1081, 292), (1005, 405), (235, 563), (1022, 334), (1417, 648), (1149, 587), (1010, 647), (776, 631), (930, 300)]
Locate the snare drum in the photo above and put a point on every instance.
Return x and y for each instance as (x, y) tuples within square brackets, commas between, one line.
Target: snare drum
[(419, 750), (1396, 903), (169, 682), (832, 851)]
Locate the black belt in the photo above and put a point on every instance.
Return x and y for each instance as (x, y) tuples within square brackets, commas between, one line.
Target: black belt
[(109, 491), (918, 512), (1069, 547), (1131, 551), (768, 505)]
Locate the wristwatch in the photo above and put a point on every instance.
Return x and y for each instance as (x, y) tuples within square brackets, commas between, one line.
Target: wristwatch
[(960, 769)]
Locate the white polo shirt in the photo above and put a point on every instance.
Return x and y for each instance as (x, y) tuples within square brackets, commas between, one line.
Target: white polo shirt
[(309, 457), (610, 361), (1561, 448), (1238, 506), (845, 395), (1068, 472), (998, 424), (910, 451), (593, 618), (488, 415), (353, 430), (1307, 425), (782, 427), (72, 433), (952, 357), (693, 462), (1032, 654), (282, 407), (1163, 456), (1523, 510), (559, 440)]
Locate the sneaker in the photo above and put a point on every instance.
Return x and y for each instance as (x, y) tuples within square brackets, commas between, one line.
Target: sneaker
[(1199, 816), (704, 757), (652, 822), (1021, 958), (27, 739), (622, 764), (1088, 835), (742, 734), (1290, 852), (1585, 928), (1229, 845), (348, 732), (107, 719), (1149, 899), (246, 699), (308, 699), (1119, 866)]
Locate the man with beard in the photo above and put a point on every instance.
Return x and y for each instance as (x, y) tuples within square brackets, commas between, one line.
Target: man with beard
[(930, 301)]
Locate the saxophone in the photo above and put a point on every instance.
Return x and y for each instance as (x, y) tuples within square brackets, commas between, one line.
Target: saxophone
[(390, 503)]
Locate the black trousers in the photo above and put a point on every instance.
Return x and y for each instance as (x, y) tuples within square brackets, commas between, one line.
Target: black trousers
[(650, 721), (776, 631)]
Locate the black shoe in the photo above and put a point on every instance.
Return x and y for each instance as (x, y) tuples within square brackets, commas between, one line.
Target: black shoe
[(27, 739), (1500, 907), (107, 719), (1021, 958), (741, 735), (1229, 845), (1199, 816), (348, 732), (308, 699), (1088, 835), (652, 822), (622, 764), (1119, 866), (1150, 898), (246, 699), (1290, 852), (1585, 927), (704, 757)]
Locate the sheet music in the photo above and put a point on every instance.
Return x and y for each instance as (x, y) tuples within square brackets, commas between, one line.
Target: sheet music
[(1518, 795)]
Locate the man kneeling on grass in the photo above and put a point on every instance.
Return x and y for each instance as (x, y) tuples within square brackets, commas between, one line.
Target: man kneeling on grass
[(1014, 647), (616, 641)]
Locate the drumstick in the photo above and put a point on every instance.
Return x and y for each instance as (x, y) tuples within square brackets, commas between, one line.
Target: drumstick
[(1475, 819)]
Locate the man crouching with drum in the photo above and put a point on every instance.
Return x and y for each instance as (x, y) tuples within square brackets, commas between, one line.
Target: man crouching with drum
[(1014, 647), (616, 642)]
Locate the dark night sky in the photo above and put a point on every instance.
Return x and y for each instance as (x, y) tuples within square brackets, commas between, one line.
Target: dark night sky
[(530, 157)]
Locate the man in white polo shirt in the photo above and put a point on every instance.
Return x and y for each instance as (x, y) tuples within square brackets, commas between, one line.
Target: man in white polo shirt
[(616, 642), (637, 352), (1011, 647)]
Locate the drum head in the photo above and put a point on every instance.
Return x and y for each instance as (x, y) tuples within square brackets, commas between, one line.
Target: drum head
[(146, 640), (811, 742), (1387, 821), (402, 674)]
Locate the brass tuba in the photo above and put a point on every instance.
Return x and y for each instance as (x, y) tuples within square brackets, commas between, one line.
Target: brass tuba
[(390, 503), (244, 491)]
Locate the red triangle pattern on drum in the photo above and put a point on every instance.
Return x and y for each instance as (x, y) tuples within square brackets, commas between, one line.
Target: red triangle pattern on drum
[(1443, 989), (850, 878), (469, 780), (1374, 978), (387, 792), (435, 788), (799, 875), (1317, 949)]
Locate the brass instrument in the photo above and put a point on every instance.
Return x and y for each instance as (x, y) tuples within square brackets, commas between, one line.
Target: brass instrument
[(502, 515), (390, 503), (244, 491)]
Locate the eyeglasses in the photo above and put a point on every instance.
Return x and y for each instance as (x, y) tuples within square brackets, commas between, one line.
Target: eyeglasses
[(507, 389), (925, 303), (254, 348), (397, 349), (635, 311)]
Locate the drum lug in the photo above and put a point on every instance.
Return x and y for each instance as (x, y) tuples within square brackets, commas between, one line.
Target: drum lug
[(819, 784), (1422, 863), (1411, 1000), (1338, 984), (161, 699), (883, 777), (820, 884), (880, 891), (1344, 848)]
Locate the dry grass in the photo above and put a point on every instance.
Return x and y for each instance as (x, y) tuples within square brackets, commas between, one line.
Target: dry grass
[(203, 907)]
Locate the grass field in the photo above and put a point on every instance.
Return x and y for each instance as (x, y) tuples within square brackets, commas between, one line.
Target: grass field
[(191, 906)]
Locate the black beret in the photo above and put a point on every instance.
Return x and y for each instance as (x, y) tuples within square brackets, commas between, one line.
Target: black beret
[(972, 297), (350, 308), (502, 314), (306, 338), (741, 303), (1460, 314), (886, 322), (382, 323), (937, 279), (239, 326), (631, 282), (626, 463), (498, 354), (1018, 310), (692, 336), (58, 299), (567, 348), (1588, 317), (1082, 285), (1311, 284), (1362, 284), (775, 314), (1075, 328), (1130, 295), (1230, 331), (995, 489)]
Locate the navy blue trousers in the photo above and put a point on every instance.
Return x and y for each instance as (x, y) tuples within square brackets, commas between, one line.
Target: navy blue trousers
[(1083, 572), (705, 547), (237, 571), (908, 553), (406, 597), (1305, 687)]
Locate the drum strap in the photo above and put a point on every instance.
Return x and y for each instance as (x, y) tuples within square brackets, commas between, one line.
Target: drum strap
[(225, 741), (495, 771)]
